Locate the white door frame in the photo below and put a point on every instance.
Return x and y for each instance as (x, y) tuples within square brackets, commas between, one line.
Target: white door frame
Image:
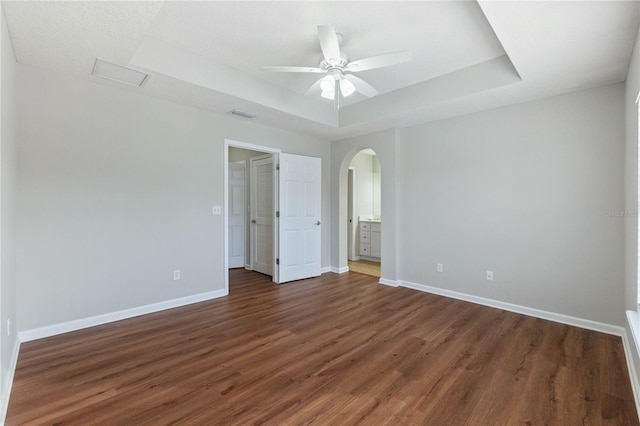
[(237, 144)]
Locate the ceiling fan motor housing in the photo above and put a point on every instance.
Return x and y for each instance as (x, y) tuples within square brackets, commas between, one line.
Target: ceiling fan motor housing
[(330, 63)]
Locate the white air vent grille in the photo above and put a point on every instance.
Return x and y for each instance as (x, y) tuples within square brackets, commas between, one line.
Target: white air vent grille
[(119, 73), (242, 114)]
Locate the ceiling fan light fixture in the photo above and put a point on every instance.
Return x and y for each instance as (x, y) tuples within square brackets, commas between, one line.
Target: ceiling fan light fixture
[(328, 94), (346, 87), (327, 84)]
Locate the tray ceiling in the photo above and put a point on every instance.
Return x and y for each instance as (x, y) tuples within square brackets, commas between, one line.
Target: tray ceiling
[(467, 56)]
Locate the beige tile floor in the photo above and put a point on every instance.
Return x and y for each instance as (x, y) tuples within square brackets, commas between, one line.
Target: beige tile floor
[(365, 267)]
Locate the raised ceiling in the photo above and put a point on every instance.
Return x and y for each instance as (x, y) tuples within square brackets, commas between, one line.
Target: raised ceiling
[(467, 56)]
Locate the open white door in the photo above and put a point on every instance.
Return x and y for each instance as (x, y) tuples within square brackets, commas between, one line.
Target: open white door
[(236, 217), (262, 201), (299, 227)]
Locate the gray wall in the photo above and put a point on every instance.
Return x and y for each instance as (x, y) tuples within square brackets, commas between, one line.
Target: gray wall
[(8, 139), (523, 191), (115, 191)]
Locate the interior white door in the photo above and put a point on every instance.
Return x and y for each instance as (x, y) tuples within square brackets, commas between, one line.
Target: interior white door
[(262, 211), (300, 210), (236, 214)]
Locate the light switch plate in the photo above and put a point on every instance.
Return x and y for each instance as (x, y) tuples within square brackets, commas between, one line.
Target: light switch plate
[(216, 210)]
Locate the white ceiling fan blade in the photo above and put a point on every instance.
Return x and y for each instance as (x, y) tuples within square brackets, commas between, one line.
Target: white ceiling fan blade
[(379, 61), (361, 86), (293, 69), (314, 89), (329, 43)]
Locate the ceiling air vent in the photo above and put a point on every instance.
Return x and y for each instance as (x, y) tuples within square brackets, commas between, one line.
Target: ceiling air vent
[(119, 73), (242, 114)]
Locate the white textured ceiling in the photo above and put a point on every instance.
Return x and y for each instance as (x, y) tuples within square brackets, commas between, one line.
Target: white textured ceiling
[(467, 56)]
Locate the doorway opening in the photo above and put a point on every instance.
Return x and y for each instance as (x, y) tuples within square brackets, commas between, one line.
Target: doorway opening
[(364, 221), (250, 241), (282, 212), (250, 213)]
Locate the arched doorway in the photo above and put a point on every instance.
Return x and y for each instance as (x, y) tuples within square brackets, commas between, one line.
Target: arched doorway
[(364, 218)]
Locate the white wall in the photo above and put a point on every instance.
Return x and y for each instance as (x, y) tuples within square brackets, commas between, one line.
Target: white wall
[(362, 184), (523, 191), (631, 179), (115, 191), (632, 88), (8, 140), (377, 206)]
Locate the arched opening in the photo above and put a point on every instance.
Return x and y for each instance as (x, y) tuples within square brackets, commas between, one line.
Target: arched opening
[(364, 216)]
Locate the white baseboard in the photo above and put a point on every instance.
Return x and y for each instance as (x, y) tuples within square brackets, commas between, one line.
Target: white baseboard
[(631, 343), (65, 327), (336, 270), (8, 382), (390, 283), (248, 267), (325, 269), (538, 313)]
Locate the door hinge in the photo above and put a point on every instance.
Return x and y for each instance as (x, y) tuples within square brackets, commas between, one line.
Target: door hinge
[(277, 261), (277, 166), (277, 214)]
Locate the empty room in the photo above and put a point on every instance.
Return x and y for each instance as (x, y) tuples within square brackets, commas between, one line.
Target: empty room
[(328, 212)]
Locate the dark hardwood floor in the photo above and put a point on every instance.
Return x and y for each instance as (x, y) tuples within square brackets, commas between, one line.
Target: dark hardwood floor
[(336, 350)]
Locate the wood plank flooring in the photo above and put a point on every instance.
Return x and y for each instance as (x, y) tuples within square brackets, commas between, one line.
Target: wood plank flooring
[(334, 350)]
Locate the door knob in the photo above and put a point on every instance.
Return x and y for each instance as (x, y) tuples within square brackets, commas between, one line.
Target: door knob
[(318, 223), (253, 221)]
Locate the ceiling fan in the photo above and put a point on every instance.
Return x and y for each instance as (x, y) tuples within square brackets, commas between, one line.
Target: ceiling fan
[(339, 78)]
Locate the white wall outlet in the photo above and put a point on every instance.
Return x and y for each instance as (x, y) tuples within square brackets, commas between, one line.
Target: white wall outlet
[(176, 275), (489, 275), (439, 267), (216, 210), (8, 327)]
